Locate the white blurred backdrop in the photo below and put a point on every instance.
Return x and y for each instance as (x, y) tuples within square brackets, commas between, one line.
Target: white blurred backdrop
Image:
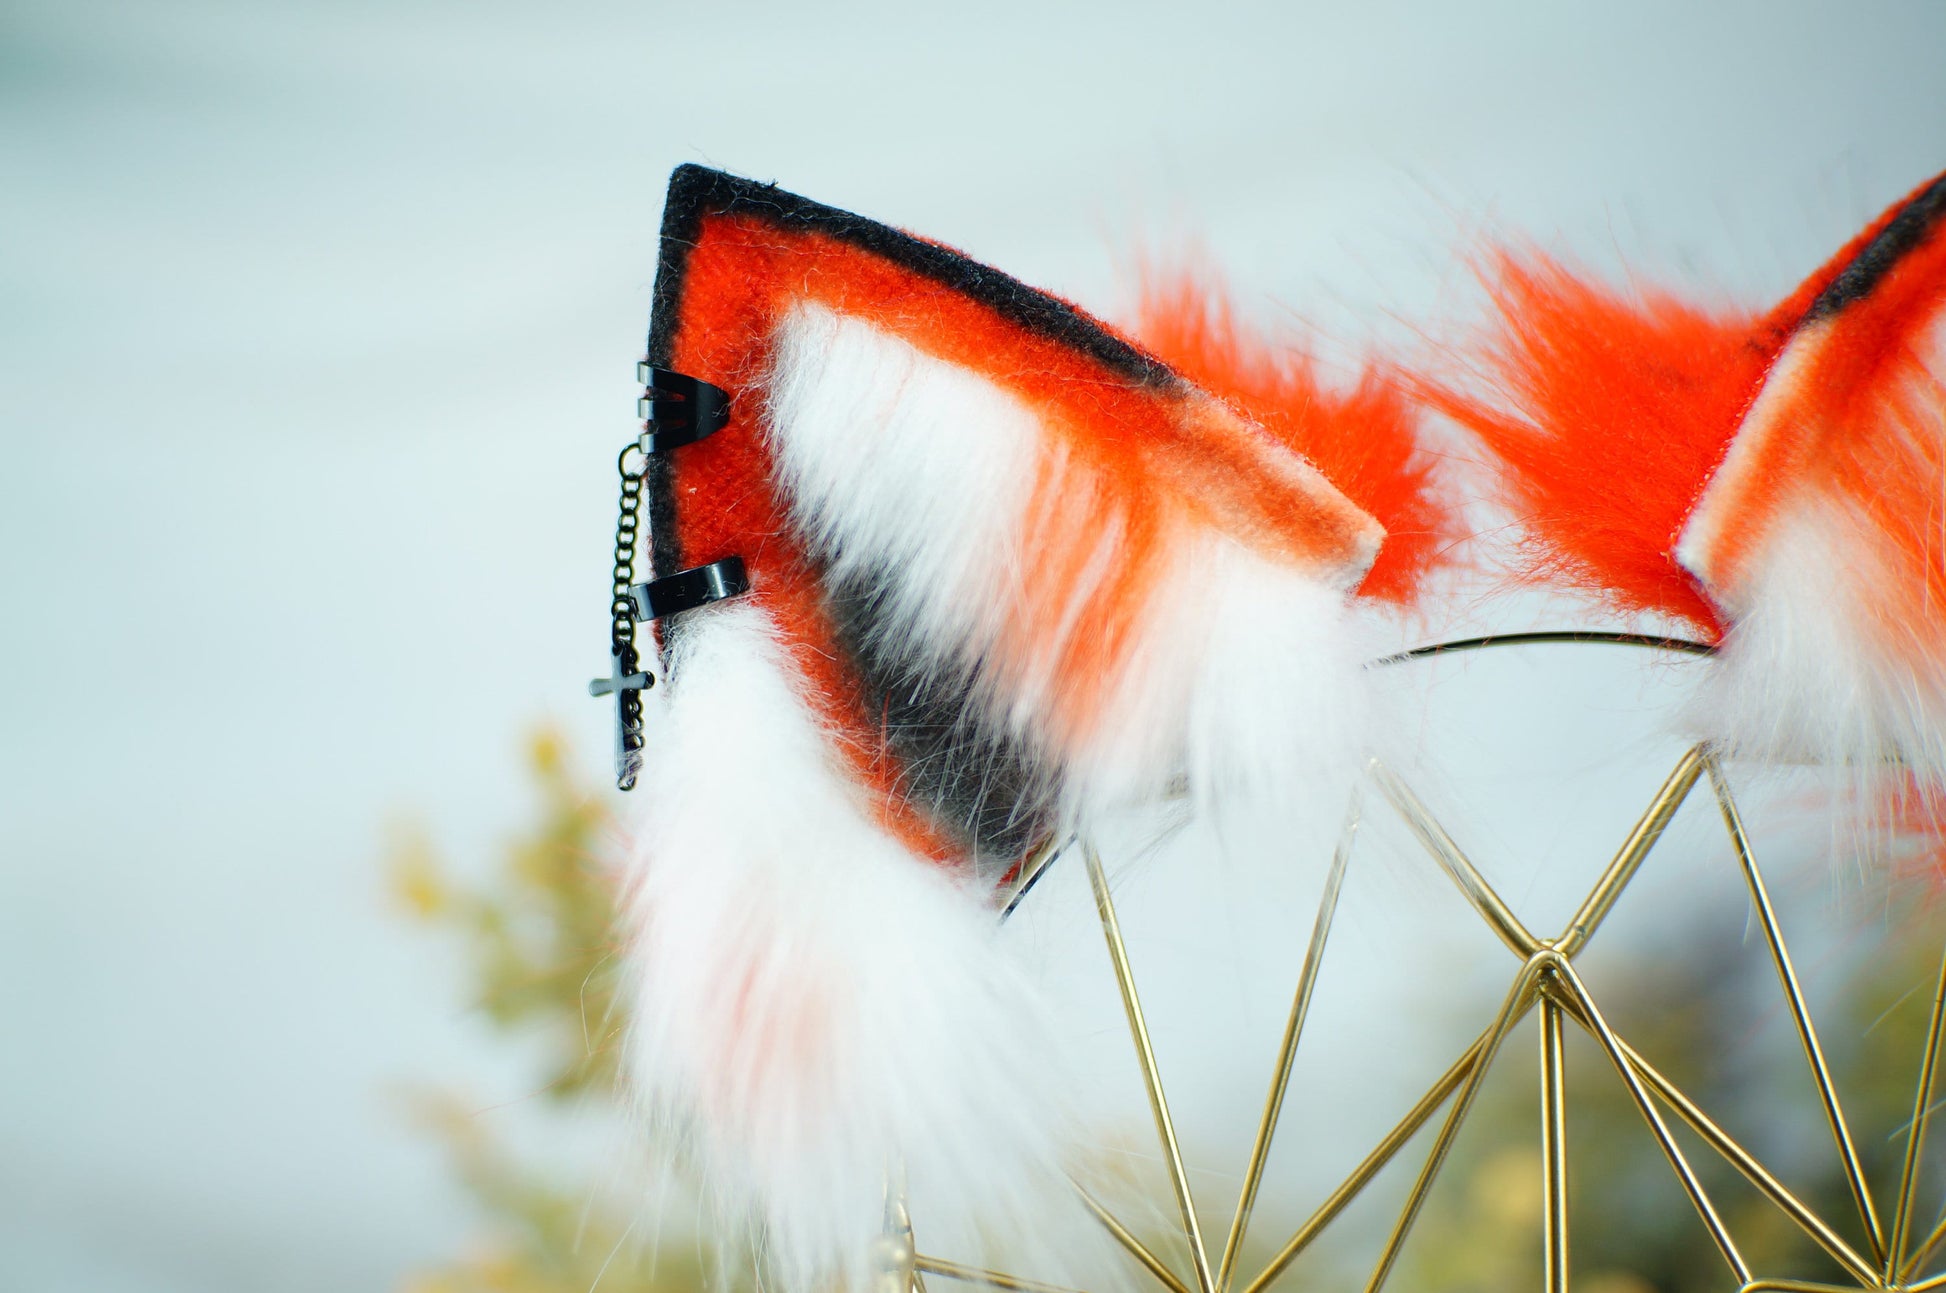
[(317, 331)]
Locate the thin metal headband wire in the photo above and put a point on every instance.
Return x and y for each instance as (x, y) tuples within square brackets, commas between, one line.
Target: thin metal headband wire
[(1545, 980)]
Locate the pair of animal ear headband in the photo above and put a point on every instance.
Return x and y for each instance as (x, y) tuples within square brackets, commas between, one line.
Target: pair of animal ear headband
[(1005, 545), (942, 567)]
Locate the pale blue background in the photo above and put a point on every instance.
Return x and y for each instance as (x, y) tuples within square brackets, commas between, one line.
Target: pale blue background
[(317, 327)]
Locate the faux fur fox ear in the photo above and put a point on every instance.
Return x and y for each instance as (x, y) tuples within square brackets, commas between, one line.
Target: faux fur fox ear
[(1006, 571), (1772, 481), (1020, 560), (1819, 535)]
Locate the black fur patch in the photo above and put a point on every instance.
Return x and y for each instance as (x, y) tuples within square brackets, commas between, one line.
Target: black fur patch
[(980, 784)]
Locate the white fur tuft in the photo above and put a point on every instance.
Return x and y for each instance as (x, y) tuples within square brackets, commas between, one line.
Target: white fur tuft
[(948, 490), (910, 470), (1245, 681), (1810, 672), (815, 1009)]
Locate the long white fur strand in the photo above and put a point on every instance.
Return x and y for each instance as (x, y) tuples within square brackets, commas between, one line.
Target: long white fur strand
[(814, 1008), (1811, 672)]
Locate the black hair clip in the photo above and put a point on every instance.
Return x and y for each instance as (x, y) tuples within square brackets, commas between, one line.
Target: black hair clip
[(687, 589), (678, 409)]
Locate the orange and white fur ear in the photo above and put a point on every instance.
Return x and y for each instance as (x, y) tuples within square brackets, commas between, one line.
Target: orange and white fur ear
[(1008, 574), (1771, 483), (1820, 534)]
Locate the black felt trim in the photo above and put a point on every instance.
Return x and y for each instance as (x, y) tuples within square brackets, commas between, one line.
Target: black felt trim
[(680, 223), (1905, 231), (696, 192)]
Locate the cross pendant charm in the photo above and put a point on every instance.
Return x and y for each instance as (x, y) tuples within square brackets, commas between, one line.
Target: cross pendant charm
[(626, 684)]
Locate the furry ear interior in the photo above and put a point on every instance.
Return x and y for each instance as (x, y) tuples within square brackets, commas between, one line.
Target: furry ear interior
[(1078, 588)]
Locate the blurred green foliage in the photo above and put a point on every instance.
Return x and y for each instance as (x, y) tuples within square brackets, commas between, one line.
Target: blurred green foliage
[(538, 933), (545, 1236)]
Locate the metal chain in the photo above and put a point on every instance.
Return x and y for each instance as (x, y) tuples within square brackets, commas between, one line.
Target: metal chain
[(621, 609)]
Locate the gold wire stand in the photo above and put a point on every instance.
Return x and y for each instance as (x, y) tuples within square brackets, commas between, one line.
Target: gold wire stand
[(1547, 981)]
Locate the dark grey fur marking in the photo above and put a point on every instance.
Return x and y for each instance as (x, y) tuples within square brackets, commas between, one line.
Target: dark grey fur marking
[(968, 774)]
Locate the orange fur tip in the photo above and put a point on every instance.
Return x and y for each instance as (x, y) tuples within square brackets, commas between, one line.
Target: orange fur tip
[(1606, 412), (1365, 440)]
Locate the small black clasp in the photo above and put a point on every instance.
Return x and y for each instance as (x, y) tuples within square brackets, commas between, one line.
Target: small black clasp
[(687, 589), (678, 409)]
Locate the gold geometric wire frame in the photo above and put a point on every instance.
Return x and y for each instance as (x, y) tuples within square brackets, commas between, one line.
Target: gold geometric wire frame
[(1545, 981)]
